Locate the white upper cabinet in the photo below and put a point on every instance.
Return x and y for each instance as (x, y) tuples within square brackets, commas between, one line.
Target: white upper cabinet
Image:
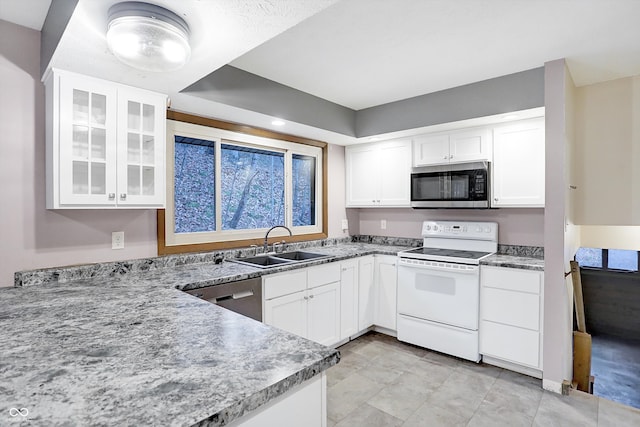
[(105, 144), (518, 172), (452, 147), (377, 175)]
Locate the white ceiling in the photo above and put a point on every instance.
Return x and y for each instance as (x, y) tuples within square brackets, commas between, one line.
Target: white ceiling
[(362, 53), (28, 13)]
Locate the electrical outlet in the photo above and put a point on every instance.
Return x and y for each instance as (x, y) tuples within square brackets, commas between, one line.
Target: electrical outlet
[(345, 225), (117, 240), (383, 224)]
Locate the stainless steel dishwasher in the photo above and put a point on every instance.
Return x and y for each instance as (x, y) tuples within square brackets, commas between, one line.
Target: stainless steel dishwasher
[(242, 296)]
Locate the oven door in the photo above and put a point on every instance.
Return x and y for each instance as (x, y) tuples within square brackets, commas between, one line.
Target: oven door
[(439, 292)]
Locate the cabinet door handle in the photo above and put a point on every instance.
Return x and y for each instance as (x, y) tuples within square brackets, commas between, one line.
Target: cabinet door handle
[(112, 196), (451, 156), (123, 196), (306, 297), (495, 199), (445, 157), (310, 296)]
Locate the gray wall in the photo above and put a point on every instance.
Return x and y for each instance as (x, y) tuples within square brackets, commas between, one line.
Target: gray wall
[(232, 86), (519, 91), (238, 88), (57, 19)]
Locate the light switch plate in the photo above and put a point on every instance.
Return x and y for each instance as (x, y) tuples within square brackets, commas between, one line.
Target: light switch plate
[(345, 225), (383, 224), (117, 240)]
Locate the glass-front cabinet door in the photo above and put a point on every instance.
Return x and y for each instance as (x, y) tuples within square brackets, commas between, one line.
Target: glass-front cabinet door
[(87, 155), (105, 144), (141, 147)]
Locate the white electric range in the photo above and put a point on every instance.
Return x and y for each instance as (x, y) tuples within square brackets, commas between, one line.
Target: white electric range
[(439, 286)]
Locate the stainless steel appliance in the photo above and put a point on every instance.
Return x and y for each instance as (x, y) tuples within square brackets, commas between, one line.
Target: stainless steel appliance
[(439, 287), (463, 185), (242, 296)]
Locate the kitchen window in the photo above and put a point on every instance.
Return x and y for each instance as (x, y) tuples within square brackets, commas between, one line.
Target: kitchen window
[(227, 188), (617, 260)]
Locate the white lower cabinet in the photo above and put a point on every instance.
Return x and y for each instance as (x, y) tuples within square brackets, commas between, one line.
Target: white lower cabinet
[(348, 299), (304, 405), (288, 312), (511, 308), (386, 282), (323, 314), (305, 302), (333, 302), (366, 292)]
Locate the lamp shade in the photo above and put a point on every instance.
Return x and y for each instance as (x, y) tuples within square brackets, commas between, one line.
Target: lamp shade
[(148, 37)]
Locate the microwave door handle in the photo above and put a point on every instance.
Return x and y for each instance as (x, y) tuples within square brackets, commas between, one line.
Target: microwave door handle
[(447, 186)]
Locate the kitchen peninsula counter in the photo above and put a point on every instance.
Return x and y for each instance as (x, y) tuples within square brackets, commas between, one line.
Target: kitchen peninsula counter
[(121, 344)]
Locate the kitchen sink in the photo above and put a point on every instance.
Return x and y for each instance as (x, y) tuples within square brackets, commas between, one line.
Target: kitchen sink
[(299, 255), (262, 261), (274, 260)]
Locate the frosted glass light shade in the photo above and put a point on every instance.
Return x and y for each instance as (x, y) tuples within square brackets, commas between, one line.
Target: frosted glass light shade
[(148, 37)]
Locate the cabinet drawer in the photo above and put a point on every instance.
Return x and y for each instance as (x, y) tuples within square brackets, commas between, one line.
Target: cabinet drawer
[(323, 274), (509, 343), (284, 284), (511, 279), (512, 308)]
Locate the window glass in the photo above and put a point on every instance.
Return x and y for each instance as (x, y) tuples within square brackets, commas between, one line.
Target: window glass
[(252, 188), (194, 185), (589, 257), (623, 260), (304, 190)]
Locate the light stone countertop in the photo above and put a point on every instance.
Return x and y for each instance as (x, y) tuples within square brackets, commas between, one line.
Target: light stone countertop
[(512, 261), (131, 349)]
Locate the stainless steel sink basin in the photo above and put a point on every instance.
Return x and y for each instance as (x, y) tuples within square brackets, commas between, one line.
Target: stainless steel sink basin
[(299, 255), (262, 261), (274, 260)]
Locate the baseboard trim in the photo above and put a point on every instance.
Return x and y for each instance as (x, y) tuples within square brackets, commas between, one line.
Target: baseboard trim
[(553, 386), (532, 372)]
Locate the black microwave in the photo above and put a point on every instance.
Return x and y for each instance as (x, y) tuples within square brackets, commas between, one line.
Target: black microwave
[(462, 185)]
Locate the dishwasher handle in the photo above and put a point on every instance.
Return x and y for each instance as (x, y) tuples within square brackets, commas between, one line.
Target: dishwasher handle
[(237, 295)]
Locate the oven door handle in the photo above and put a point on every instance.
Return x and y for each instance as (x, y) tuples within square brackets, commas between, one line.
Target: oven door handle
[(438, 266)]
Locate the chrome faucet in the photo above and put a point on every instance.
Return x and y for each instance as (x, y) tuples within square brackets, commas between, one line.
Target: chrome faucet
[(266, 236)]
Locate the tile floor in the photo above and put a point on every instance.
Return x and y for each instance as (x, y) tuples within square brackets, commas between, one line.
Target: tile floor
[(383, 382), (615, 364)]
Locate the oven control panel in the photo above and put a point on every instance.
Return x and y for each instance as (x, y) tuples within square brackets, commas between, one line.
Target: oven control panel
[(461, 230)]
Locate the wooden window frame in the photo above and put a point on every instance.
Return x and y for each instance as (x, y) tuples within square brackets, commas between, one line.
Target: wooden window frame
[(163, 249)]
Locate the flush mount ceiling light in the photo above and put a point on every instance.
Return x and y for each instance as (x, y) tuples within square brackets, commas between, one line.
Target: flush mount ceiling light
[(148, 37)]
